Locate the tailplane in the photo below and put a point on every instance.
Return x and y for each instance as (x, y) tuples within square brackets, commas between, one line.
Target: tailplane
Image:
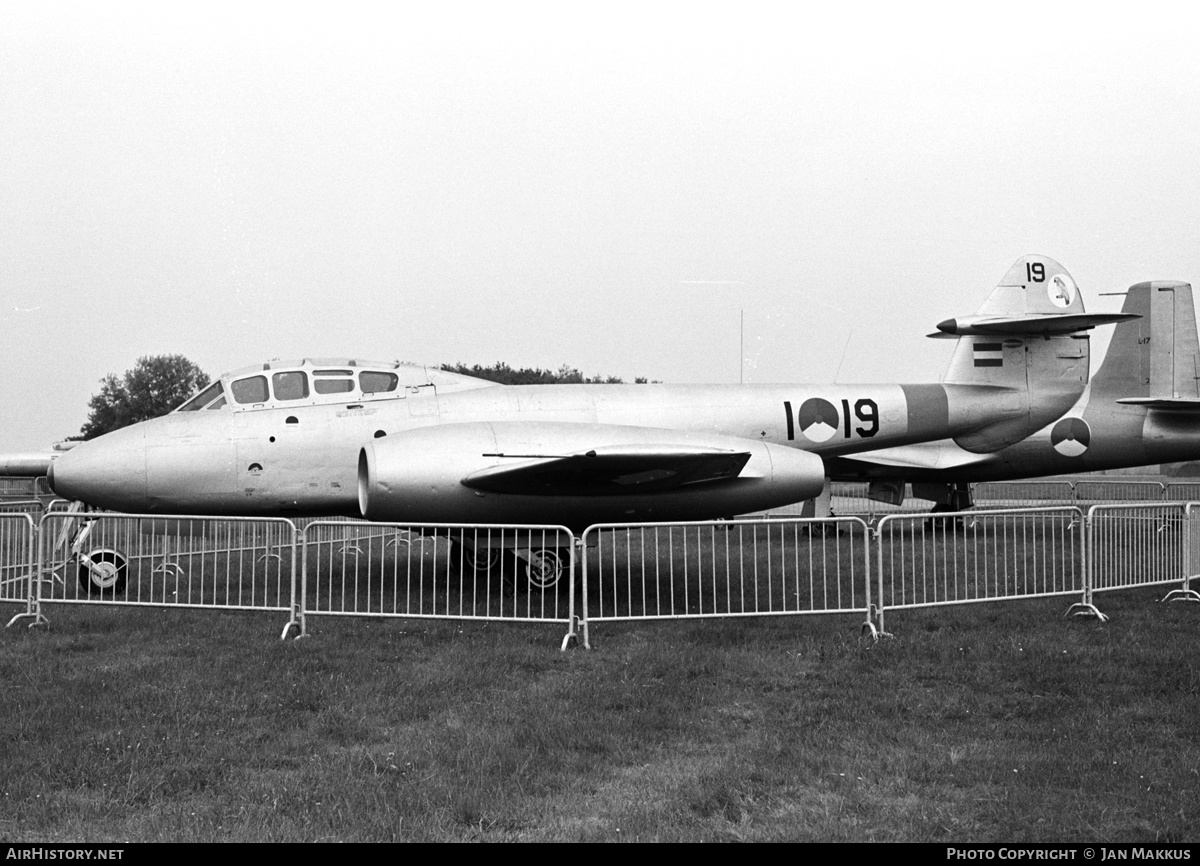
[(1029, 339)]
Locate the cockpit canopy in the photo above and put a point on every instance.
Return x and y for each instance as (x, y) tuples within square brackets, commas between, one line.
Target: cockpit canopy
[(320, 381)]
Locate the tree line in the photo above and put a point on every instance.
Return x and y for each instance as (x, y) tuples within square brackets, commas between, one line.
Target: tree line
[(506, 375)]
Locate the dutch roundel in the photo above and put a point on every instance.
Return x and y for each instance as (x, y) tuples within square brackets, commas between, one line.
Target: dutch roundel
[(818, 419), (1071, 437)]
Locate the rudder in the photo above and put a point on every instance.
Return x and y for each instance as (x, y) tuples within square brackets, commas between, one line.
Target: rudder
[(1157, 355)]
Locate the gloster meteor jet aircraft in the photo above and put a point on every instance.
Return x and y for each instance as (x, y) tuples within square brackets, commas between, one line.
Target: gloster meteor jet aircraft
[(1142, 407), (400, 442)]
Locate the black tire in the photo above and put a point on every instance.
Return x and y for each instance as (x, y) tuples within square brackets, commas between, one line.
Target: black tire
[(107, 574), (472, 560)]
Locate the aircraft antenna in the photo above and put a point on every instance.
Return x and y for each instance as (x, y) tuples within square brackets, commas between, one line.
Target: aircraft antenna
[(845, 349)]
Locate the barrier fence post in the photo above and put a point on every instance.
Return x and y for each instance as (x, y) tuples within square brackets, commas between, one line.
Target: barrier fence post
[(1085, 606), (1190, 526), (19, 567), (879, 525)]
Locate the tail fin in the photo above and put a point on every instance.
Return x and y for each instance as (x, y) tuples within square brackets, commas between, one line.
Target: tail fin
[(1030, 336), (1037, 304), (1155, 359)]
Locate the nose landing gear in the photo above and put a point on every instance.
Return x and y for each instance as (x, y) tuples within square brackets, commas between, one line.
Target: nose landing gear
[(103, 572)]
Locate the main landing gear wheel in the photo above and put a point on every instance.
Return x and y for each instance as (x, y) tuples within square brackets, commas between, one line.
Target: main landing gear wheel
[(103, 571), (546, 567), (478, 560), (948, 524)]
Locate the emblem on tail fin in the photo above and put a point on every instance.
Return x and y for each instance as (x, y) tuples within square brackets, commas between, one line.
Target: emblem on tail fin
[(1061, 290)]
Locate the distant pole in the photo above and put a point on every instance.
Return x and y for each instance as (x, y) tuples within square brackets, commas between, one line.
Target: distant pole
[(742, 347)]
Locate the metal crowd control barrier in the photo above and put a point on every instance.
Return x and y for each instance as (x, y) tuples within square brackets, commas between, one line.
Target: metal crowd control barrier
[(975, 556), (512, 573), (1191, 556), (850, 497), (1182, 491), (18, 561), (1022, 494), (1137, 545), (734, 568), (131, 559), (1089, 492), (32, 507), (23, 486)]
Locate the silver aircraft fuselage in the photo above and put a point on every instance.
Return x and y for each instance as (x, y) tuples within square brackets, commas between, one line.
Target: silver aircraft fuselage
[(418, 444), (302, 456)]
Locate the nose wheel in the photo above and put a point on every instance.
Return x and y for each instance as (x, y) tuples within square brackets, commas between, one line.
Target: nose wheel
[(103, 572)]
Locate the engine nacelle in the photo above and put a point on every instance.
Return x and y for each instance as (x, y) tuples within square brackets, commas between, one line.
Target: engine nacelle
[(417, 476)]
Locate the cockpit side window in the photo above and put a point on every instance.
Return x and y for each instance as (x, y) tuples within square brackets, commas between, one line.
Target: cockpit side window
[(203, 398), (292, 385), (373, 382), (333, 381), (252, 389)]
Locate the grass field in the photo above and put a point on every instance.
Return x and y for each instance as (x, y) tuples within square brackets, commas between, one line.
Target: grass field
[(999, 722)]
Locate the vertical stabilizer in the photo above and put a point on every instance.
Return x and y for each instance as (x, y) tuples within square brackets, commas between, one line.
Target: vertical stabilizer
[(1029, 337), (1011, 340), (1156, 356)]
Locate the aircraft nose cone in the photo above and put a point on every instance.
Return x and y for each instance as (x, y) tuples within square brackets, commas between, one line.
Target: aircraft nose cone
[(108, 472)]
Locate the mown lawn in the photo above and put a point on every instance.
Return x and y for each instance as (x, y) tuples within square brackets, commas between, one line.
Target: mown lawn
[(999, 722)]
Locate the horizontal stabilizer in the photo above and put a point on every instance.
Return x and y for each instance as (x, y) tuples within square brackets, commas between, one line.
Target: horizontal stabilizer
[(617, 470), (1166, 404), (1031, 325)]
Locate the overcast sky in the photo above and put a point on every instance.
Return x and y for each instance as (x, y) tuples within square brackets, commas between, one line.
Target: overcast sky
[(601, 185)]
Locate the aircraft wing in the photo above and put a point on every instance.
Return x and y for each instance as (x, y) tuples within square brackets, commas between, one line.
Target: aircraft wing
[(619, 470), (1169, 404)]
